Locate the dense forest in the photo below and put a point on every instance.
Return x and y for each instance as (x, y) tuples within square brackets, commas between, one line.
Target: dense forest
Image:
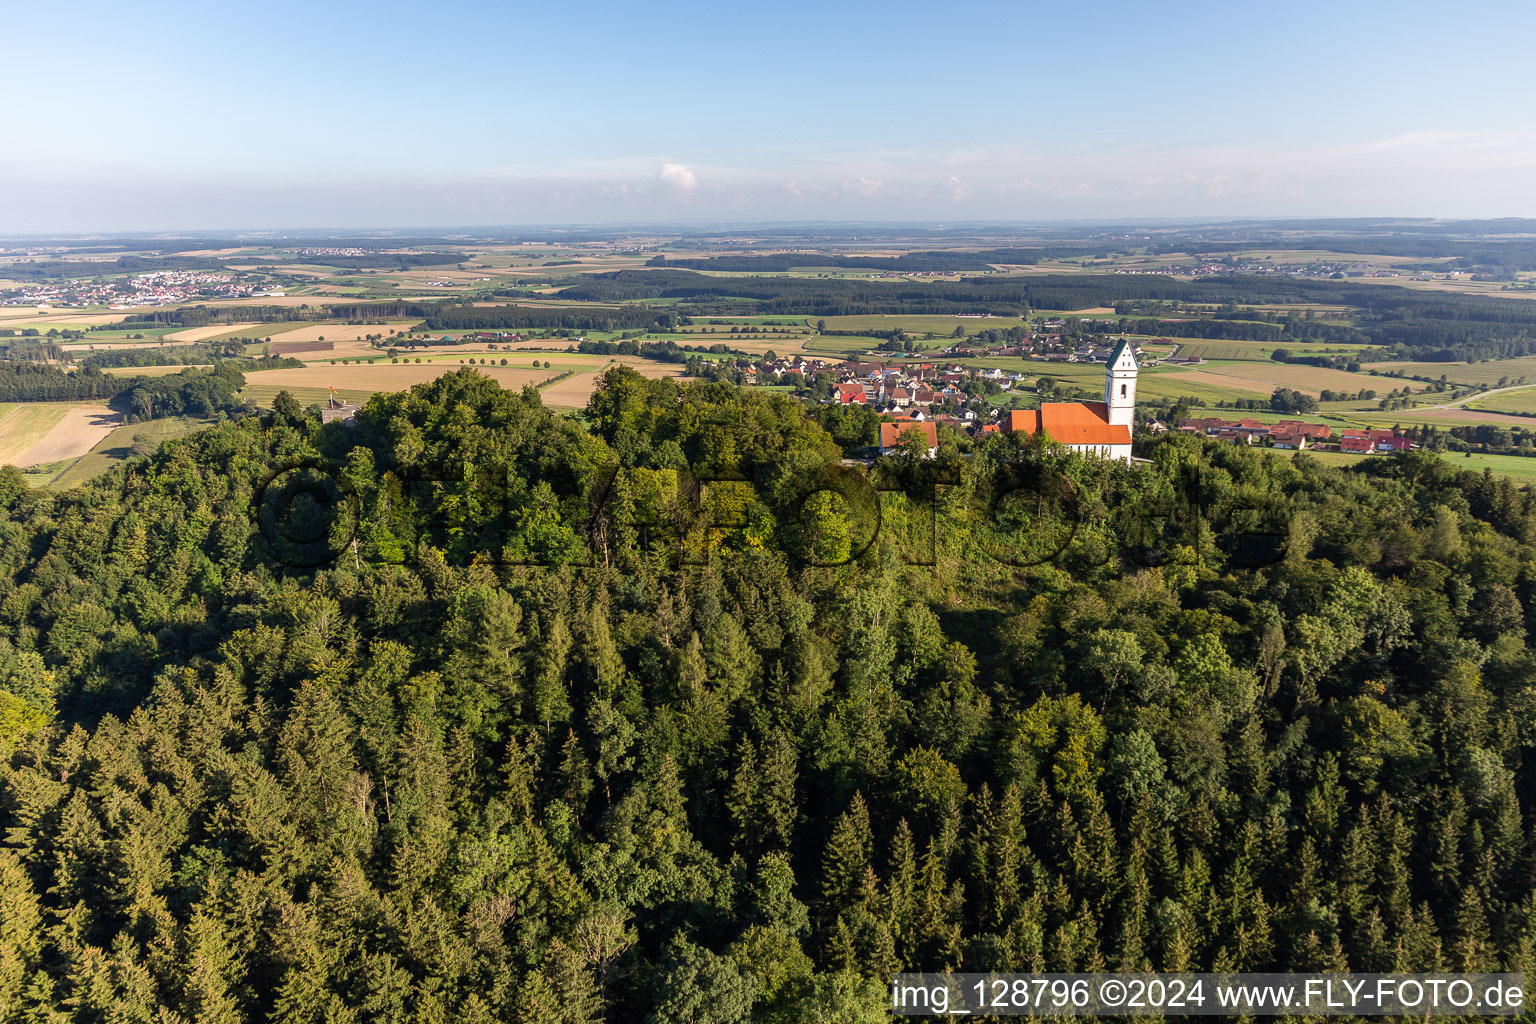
[(43, 382), (193, 391), (473, 712)]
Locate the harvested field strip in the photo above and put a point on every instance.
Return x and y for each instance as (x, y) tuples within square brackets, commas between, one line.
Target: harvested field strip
[(212, 331), (1162, 383), (385, 376), (86, 347), (154, 371), (116, 446), (1310, 379), (42, 432), (23, 425)]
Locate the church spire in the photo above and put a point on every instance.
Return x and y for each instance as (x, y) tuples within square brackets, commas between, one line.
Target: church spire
[(1120, 385)]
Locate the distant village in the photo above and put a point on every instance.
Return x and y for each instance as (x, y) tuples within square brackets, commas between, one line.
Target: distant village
[(977, 402), (159, 288)]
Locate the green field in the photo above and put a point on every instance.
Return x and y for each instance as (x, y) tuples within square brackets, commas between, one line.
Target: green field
[(1483, 374), (263, 394), (122, 334), (1521, 401), (1516, 467), (1265, 416), (784, 320), (919, 324), (1254, 350), (838, 345)]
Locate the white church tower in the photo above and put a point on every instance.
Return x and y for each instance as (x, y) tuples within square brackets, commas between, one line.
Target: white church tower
[(1120, 385)]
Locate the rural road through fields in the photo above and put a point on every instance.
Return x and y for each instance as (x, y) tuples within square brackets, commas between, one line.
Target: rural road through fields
[(1474, 397)]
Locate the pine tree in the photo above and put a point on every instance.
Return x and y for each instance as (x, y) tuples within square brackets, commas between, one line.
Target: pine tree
[(846, 861), (742, 799), (538, 1002), (549, 697), (21, 934), (317, 758), (777, 810)]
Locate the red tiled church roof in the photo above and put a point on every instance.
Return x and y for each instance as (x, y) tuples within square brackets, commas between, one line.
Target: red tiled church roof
[(1070, 423)]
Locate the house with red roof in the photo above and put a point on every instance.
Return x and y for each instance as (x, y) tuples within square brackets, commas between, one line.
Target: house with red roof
[(892, 433), (1357, 441)]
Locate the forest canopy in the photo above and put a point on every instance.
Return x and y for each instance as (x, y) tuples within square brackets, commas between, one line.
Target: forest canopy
[(635, 717)]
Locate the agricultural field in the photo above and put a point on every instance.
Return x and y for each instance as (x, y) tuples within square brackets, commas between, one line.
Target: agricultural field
[(41, 432), (154, 371), (1265, 416), (134, 332), (1520, 400), (214, 331), (310, 332), (86, 347), (44, 317), (355, 383), (1517, 467), (1456, 417), (1484, 374), (840, 345), (917, 324), (1327, 458), (114, 448), (1252, 350), (1209, 389), (1310, 379)]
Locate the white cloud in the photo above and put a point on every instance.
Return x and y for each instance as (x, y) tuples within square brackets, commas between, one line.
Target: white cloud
[(869, 188), (680, 177)]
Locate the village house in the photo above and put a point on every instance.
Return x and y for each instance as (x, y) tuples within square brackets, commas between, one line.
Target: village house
[(892, 433), (1291, 439), (850, 393)]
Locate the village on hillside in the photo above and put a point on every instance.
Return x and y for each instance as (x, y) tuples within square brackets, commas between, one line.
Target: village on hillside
[(980, 401)]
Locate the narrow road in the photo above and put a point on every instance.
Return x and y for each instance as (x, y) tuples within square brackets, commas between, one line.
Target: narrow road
[(1472, 398)]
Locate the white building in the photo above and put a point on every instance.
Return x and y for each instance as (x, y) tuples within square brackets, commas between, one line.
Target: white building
[(1093, 428)]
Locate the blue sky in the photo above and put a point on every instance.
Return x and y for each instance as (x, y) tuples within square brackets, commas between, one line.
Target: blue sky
[(163, 115)]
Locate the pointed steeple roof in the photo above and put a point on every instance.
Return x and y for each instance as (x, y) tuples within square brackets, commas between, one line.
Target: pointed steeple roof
[(1122, 349)]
